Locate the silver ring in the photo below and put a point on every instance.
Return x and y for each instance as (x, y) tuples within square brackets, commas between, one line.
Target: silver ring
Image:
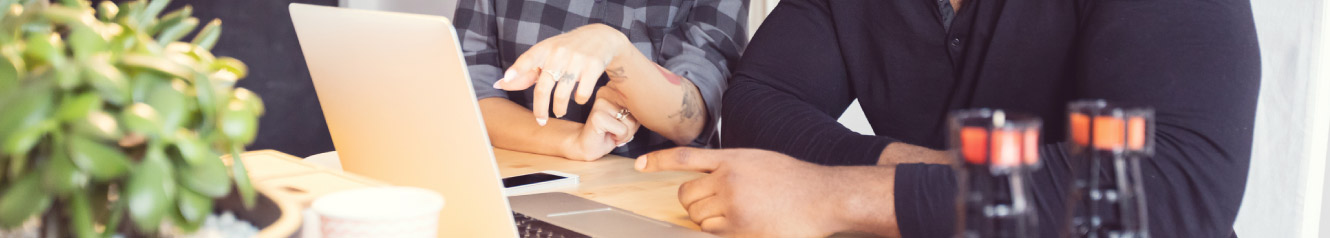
[(622, 113), (554, 74)]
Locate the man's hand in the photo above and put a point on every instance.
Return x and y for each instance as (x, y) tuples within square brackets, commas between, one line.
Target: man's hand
[(754, 193)]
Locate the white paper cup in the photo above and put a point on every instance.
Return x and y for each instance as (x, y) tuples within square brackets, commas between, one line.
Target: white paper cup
[(379, 212)]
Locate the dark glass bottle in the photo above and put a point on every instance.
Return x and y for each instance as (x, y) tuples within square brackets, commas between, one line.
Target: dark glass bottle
[(995, 153), (1107, 145)]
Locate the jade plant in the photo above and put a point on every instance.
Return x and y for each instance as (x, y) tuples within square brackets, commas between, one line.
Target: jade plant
[(110, 122)]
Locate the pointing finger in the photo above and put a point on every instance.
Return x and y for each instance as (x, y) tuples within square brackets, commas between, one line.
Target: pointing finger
[(680, 159)]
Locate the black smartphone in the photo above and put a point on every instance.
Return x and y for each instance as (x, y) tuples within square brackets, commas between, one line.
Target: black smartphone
[(532, 178)]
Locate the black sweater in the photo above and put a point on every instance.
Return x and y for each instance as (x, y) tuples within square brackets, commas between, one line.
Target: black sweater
[(1195, 62)]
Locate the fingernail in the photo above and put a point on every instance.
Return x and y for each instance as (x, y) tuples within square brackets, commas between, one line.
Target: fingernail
[(641, 163), (496, 85), (542, 121), (508, 76), (621, 144)]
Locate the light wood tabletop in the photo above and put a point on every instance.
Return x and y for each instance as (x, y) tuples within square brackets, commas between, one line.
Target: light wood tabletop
[(611, 180)]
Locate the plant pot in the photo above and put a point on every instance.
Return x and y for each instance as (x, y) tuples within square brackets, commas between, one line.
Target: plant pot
[(273, 216)]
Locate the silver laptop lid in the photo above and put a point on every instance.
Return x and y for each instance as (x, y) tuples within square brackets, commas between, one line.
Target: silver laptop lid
[(399, 104)]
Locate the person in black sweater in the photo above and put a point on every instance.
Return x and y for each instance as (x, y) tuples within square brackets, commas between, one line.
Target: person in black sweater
[(911, 62)]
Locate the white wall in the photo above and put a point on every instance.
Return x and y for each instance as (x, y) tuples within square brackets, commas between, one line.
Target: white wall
[(1287, 177)]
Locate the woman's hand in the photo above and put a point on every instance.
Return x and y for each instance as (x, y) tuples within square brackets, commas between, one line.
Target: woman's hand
[(608, 126), (559, 64)]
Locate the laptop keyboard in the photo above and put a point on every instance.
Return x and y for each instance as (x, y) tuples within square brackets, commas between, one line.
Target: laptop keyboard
[(529, 227)]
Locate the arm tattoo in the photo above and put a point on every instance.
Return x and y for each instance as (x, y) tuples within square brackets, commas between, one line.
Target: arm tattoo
[(690, 108), (671, 77), (616, 73)]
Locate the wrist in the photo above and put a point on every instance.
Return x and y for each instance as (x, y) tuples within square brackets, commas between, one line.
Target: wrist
[(624, 51), (567, 146), (870, 208)]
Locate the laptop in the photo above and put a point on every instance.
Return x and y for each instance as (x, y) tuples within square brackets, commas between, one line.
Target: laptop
[(400, 107)]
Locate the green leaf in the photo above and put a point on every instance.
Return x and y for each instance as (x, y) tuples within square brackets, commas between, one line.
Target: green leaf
[(21, 200), (12, 56), (172, 18), (142, 118), (175, 32), (157, 64), (231, 66), (60, 175), (209, 105), (171, 104), (67, 74), (109, 82), (193, 150), (48, 48), (107, 10), (85, 42), (22, 110), (150, 192), (98, 124), (79, 210), (78, 106), (129, 15), (192, 208), (17, 166), (239, 123), (27, 137), (207, 176), (124, 42), (143, 83), (9, 74), (251, 100), (181, 53), (72, 16), (154, 7), (199, 54), (207, 37), (102, 161), (241, 176)]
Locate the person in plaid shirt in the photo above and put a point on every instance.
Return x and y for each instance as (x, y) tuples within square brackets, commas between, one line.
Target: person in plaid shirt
[(659, 64)]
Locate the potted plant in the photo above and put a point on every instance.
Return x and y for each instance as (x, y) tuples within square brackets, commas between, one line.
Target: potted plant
[(110, 123)]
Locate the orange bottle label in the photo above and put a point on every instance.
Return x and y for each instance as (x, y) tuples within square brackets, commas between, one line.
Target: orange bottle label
[(1007, 148), (1136, 133), (1080, 129), (1031, 142), (974, 144), (1108, 133)]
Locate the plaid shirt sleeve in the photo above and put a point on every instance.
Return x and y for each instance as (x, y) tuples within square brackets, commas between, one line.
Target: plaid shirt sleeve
[(476, 27), (704, 48)]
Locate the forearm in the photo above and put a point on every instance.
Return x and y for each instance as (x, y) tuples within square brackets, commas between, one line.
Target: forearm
[(513, 127), (866, 199), (902, 153), (660, 100)]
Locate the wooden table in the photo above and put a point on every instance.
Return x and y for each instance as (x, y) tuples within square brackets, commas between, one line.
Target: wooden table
[(610, 180)]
